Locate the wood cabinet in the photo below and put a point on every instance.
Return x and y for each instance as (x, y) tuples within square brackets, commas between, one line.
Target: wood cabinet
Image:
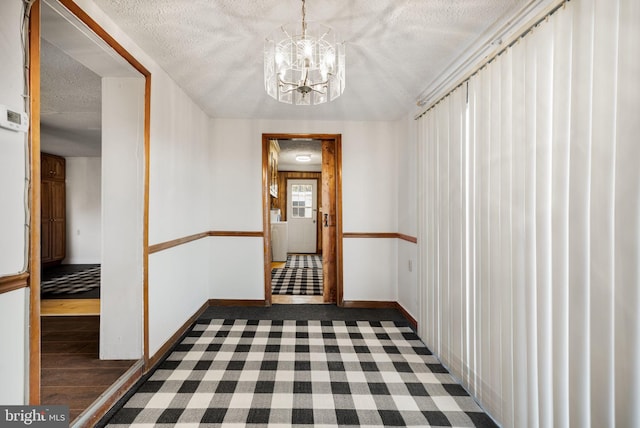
[(52, 209)]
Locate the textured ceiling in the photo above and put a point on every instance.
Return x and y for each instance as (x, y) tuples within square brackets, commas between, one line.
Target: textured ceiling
[(70, 105), (72, 64), (395, 48)]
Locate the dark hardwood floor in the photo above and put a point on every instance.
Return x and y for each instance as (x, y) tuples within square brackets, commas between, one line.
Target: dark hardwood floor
[(72, 374)]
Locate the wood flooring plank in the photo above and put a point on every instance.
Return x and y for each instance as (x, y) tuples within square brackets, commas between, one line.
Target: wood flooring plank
[(71, 323), (71, 348), (66, 307), (81, 376), (72, 373), (69, 336), (79, 397), (51, 361), (287, 299)]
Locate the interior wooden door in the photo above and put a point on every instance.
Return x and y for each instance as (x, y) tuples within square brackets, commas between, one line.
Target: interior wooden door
[(45, 223), (328, 221), (58, 222), (52, 209)]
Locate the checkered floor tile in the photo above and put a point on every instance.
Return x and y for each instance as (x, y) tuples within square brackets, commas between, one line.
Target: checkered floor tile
[(303, 261), (71, 283), (305, 282), (300, 373)]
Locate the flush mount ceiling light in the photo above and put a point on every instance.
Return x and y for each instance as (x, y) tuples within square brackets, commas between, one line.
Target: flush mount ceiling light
[(303, 158), (304, 67)]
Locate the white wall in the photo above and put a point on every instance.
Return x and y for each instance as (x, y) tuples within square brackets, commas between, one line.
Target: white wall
[(121, 279), (236, 268), (407, 217), (14, 313), (179, 285), (178, 207), (369, 199), (369, 269), (178, 196), (12, 144), (13, 305), (179, 191), (84, 224)]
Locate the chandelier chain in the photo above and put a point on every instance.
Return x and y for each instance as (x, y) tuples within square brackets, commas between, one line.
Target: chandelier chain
[(304, 19)]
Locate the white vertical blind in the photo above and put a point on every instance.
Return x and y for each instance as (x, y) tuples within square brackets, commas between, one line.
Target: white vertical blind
[(529, 224)]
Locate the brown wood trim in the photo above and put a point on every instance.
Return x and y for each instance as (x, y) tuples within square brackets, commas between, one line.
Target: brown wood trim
[(166, 347), (34, 212), (175, 242), (266, 218), (369, 304), (392, 235), (285, 136), (370, 235), (237, 302), (104, 35), (407, 315), (186, 239), (339, 264), (281, 201), (408, 238), (145, 230), (13, 282), (256, 234), (378, 304), (113, 397)]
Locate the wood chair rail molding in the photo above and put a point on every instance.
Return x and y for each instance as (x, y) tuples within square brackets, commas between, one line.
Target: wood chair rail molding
[(186, 239), (14, 282), (259, 234), (392, 235)]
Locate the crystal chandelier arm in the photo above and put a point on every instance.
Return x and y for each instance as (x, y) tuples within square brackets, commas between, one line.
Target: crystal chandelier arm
[(284, 30), (312, 89), (320, 92), (325, 83), (284, 82)]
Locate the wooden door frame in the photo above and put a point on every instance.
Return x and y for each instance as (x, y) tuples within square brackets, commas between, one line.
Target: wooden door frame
[(335, 140), (35, 175)]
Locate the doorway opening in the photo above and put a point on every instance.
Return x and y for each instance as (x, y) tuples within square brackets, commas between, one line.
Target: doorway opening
[(302, 218), (62, 35)]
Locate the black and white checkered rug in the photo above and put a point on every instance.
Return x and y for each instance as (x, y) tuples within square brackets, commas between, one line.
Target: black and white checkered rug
[(297, 282), (291, 373), (299, 261), (72, 283)]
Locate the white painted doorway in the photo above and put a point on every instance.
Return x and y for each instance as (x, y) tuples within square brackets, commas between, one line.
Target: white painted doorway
[(302, 215)]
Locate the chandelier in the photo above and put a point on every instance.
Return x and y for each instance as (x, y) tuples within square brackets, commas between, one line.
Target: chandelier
[(304, 68)]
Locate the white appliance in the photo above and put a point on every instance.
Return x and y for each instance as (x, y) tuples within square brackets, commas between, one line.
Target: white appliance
[(279, 241), (275, 215)]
